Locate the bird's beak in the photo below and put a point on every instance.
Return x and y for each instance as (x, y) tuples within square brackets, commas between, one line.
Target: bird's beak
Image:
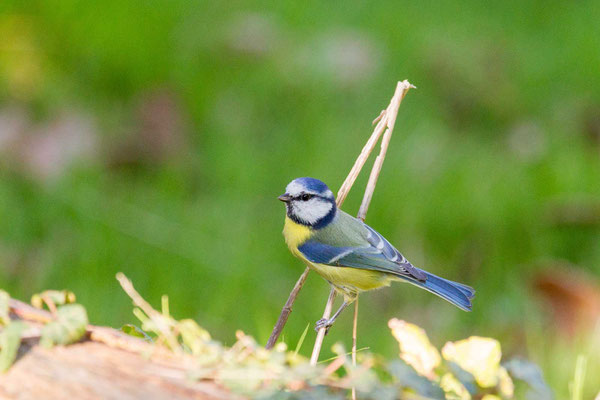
[(285, 197)]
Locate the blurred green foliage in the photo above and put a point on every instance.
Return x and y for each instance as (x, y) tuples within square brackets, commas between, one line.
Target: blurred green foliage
[(502, 134)]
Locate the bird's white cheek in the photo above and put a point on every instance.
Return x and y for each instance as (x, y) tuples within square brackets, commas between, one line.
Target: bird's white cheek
[(312, 211)]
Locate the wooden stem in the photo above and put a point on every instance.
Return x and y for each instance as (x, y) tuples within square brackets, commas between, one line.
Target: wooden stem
[(385, 123), (354, 340), (286, 310), (390, 120), (321, 334), (387, 120)]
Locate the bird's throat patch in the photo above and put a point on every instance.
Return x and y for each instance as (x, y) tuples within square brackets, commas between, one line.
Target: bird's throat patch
[(295, 234)]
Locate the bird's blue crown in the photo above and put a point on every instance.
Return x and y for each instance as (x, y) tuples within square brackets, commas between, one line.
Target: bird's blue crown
[(312, 184)]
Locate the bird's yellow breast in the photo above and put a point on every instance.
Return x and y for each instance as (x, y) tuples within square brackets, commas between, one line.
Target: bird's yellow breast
[(295, 234), (350, 279)]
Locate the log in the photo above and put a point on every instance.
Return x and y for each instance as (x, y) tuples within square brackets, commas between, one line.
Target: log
[(107, 364), (93, 370)]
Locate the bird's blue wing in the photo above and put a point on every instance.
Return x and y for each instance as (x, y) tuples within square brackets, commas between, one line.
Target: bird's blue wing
[(377, 241), (370, 258), (349, 242), (456, 293), (322, 253), (367, 257)]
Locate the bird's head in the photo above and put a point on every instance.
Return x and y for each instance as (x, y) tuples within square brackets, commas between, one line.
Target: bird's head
[(309, 202)]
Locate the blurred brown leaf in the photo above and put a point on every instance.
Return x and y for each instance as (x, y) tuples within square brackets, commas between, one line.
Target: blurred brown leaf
[(252, 34), (591, 122), (574, 213), (45, 150), (159, 132), (573, 296)]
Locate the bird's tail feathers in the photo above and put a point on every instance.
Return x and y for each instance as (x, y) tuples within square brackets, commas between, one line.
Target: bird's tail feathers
[(456, 293)]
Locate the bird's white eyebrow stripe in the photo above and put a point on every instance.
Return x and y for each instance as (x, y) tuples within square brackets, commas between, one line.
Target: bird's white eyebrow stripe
[(294, 188)]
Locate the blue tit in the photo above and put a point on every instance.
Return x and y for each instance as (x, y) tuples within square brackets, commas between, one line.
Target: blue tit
[(348, 253)]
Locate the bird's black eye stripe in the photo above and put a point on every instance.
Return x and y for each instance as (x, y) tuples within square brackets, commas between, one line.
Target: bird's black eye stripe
[(305, 196)]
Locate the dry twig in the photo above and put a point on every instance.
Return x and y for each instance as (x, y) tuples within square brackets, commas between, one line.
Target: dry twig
[(321, 333), (385, 123), (287, 309), (354, 339), (341, 197), (387, 120), (159, 319)]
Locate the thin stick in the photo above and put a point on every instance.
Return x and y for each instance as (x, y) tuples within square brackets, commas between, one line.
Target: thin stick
[(382, 123), (362, 158), (390, 120), (342, 194), (354, 339), (29, 313), (286, 310), (387, 119), (160, 320), (321, 334), (334, 366)]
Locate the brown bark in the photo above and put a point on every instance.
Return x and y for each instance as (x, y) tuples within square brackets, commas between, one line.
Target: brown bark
[(92, 370), (107, 365)]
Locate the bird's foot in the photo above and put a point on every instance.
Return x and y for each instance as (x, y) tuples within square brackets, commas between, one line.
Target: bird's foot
[(323, 323)]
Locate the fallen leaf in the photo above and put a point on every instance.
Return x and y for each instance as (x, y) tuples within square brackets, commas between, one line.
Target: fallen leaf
[(415, 347), (454, 389), (4, 318), (193, 336), (68, 327), (56, 297), (505, 384), (10, 340), (477, 355)]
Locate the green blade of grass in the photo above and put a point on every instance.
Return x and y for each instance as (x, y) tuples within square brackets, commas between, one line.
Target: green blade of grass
[(579, 378), (302, 337), (345, 354)]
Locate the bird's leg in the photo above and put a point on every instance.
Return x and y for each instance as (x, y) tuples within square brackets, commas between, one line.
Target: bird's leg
[(327, 323)]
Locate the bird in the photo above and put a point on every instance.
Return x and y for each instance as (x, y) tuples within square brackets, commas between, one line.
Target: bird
[(349, 254)]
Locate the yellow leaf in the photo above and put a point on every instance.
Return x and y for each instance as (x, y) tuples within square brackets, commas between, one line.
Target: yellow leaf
[(193, 336), (477, 355), (4, 308), (54, 297), (505, 386), (415, 347), (453, 388)]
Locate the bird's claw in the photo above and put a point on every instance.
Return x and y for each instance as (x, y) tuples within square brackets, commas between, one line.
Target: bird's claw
[(323, 323)]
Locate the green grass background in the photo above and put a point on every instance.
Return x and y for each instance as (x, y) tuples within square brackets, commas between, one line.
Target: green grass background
[(497, 133)]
